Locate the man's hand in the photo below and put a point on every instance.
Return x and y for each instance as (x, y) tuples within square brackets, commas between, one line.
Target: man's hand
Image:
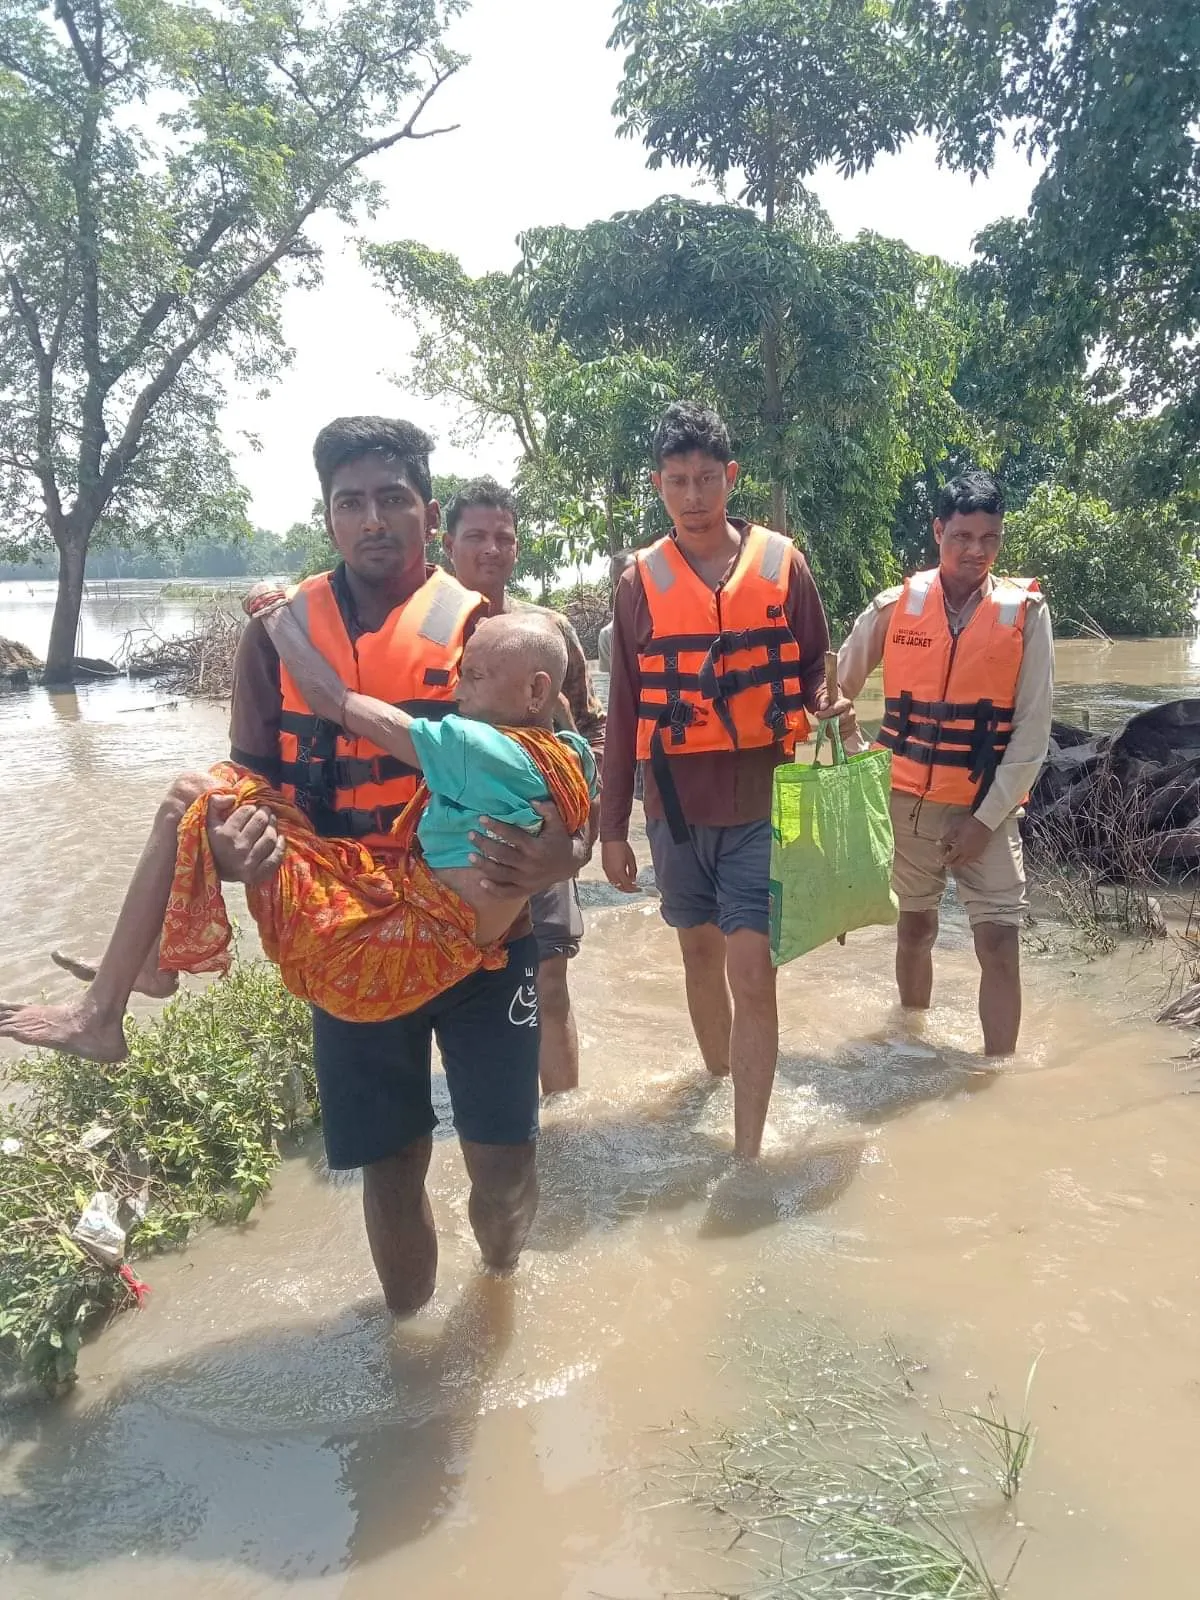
[(964, 842), (620, 865), (835, 708), (520, 863), (246, 845)]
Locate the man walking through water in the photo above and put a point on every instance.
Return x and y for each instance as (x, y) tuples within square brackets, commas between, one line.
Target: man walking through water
[(718, 646), (968, 681), (397, 629), (481, 545)]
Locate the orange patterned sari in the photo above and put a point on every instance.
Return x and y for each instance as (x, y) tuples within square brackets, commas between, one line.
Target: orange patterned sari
[(364, 934)]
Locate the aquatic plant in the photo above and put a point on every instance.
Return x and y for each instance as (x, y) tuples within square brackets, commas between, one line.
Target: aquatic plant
[(184, 1131), (838, 1482), (1008, 1445)]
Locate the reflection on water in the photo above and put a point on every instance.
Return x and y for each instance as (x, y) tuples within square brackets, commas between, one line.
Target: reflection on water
[(261, 1425)]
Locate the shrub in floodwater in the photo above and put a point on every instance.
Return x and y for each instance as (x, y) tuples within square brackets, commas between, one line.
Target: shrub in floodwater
[(188, 1124), (837, 1483)]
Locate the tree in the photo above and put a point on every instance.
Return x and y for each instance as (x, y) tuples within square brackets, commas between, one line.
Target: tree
[(1108, 95), (769, 90), (582, 425), (1129, 571), (866, 355), (162, 165)]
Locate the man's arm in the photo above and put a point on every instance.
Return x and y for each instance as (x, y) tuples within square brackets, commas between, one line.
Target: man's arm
[(624, 691), (1033, 708), (246, 845), (810, 627), (586, 710), (862, 650), (257, 704)]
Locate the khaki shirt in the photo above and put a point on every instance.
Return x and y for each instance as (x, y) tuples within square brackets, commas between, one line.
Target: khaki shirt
[(1032, 706)]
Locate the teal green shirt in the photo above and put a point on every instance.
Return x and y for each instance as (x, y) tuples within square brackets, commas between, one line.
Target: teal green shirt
[(474, 770)]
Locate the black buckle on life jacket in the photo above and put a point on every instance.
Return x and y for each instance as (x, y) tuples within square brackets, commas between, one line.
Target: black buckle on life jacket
[(984, 757), (678, 715), (316, 760), (904, 715)]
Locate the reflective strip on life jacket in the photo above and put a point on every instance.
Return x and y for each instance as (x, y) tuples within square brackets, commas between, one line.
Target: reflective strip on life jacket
[(348, 787), (948, 699)]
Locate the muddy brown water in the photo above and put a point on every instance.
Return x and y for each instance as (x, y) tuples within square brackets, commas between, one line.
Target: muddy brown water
[(261, 1428)]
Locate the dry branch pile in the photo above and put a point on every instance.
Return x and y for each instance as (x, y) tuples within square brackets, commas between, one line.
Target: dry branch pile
[(197, 663)]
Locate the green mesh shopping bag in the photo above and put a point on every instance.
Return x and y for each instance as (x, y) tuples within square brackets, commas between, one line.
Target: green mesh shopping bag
[(831, 849)]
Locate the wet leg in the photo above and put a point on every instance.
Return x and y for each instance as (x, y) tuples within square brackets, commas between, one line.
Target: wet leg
[(709, 1004), (91, 1026), (916, 935), (157, 982), (558, 1047), (504, 1197), (998, 947), (400, 1227), (754, 1040)]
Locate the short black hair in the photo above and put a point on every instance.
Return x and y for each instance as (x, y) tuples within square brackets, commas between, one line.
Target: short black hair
[(479, 492), (970, 491), (686, 426), (347, 438)]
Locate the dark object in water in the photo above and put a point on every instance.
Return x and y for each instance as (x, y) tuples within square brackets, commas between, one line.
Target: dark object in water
[(91, 667), (1126, 805)]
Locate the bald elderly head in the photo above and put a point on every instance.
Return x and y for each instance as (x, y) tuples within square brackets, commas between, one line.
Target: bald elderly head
[(512, 670)]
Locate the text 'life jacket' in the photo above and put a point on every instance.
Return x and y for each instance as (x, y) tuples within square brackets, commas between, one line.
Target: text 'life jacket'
[(948, 698), (349, 787), (721, 670)]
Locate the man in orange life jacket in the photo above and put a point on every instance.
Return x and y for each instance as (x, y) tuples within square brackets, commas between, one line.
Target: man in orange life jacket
[(718, 645), (968, 677), (480, 540), (396, 628)]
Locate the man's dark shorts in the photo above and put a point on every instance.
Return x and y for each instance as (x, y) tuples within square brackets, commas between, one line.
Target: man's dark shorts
[(721, 875), (557, 920), (374, 1077)]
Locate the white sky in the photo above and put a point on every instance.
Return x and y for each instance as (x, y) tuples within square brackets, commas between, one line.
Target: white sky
[(537, 145)]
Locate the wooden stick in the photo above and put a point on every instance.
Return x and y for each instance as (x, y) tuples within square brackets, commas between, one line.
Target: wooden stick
[(831, 694)]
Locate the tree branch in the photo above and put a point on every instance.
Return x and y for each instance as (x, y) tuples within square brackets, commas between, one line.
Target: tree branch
[(43, 466), (246, 281)]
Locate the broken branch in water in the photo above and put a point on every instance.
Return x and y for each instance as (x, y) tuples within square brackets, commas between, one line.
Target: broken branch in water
[(198, 663)]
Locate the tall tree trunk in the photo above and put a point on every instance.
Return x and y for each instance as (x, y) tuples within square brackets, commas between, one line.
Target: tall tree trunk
[(610, 521), (773, 416), (60, 656)]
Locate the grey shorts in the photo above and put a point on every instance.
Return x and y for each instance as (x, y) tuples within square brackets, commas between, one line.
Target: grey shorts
[(721, 875), (557, 920)]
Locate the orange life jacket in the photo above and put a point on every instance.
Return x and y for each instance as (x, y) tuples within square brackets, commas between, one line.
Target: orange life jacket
[(948, 698), (721, 670), (349, 787)]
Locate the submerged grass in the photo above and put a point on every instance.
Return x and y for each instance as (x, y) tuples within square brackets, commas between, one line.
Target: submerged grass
[(839, 1483), (188, 1126)]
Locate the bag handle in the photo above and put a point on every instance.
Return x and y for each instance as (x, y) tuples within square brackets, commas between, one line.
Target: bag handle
[(830, 727)]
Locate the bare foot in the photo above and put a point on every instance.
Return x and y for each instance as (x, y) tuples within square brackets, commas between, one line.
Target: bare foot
[(152, 980), (75, 1029)]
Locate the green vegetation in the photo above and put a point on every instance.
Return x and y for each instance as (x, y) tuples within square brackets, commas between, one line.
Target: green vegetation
[(192, 1121), (1104, 570), (841, 1481), (855, 373), (162, 164)]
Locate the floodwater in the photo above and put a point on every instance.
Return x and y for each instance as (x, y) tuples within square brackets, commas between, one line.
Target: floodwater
[(261, 1428)]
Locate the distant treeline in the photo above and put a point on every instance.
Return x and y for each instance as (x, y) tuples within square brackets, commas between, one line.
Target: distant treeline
[(262, 554)]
